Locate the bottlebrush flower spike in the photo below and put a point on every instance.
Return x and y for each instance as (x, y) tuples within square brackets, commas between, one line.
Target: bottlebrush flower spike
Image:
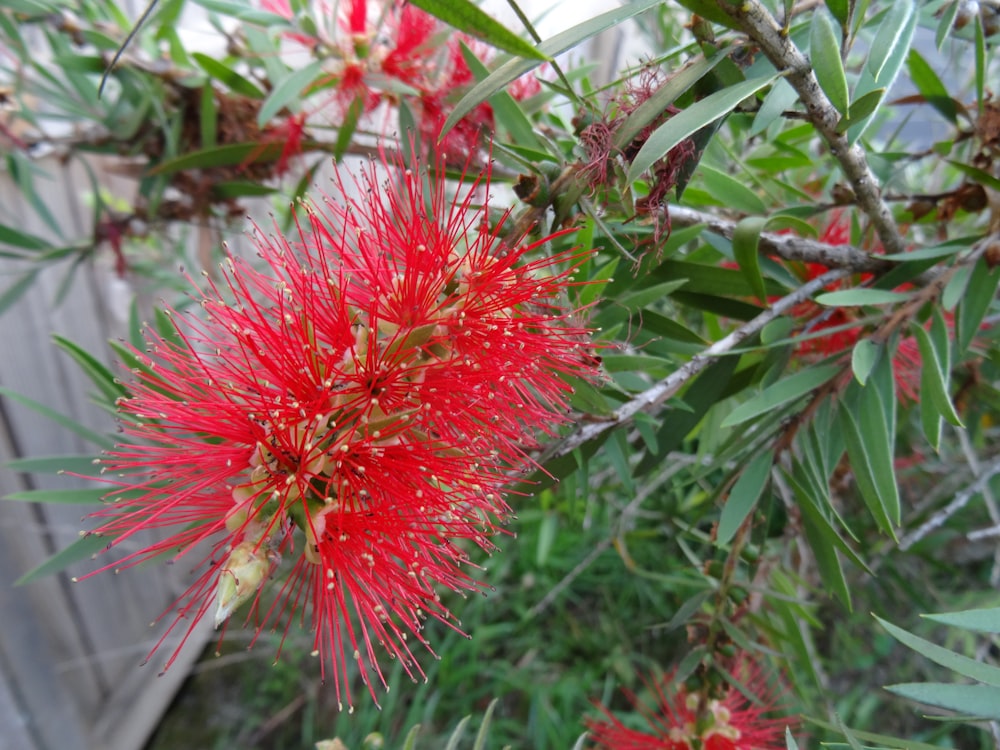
[(684, 720), (354, 408)]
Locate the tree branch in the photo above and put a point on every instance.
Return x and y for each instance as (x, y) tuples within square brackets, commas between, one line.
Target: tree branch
[(762, 28), (650, 399), (787, 246)]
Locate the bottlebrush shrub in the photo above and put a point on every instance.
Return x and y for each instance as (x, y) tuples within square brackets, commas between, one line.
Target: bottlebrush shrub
[(356, 405)]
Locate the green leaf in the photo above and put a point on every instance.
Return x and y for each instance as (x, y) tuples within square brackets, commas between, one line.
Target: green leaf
[(506, 109), (17, 238), (732, 192), (288, 90), (890, 37), (780, 98), (241, 189), (980, 701), (870, 450), (410, 741), (936, 369), (555, 45), (99, 375), (930, 417), (102, 441), (980, 620), (888, 53), (86, 546), (347, 127), (975, 303), (861, 297), (946, 23), (954, 290), (15, 291), (783, 392), (637, 300), (746, 238), (828, 67), (466, 16), (709, 9), (963, 665), (931, 87), (480, 743), (231, 154), (977, 175), (685, 123), (980, 63), (87, 496), (880, 739), (456, 736), (245, 12), (55, 465), (863, 358), (208, 117), (227, 76), (840, 10), (700, 396), (592, 289), (743, 496), (861, 108), (824, 539)]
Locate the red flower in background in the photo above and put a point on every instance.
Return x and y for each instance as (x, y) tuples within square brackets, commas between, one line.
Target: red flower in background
[(354, 406), (684, 720), (842, 335)]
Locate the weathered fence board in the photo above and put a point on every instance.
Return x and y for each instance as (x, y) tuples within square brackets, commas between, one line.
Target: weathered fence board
[(68, 650)]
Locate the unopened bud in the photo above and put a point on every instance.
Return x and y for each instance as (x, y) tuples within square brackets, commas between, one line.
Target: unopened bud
[(245, 571)]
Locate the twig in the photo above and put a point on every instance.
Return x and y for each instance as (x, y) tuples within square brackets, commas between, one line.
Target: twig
[(650, 399), (787, 246), (757, 22), (960, 501)]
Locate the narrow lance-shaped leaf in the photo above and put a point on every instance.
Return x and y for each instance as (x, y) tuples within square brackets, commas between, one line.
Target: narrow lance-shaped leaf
[(824, 52), (864, 356), (555, 45), (963, 665), (979, 701), (981, 620), (84, 547), (890, 37), (935, 372), (746, 238), (744, 495), (692, 119), (466, 16), (781, 393), (975, 303), (930, 86), (288, 91)]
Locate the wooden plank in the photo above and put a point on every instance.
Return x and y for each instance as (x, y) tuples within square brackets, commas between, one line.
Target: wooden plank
[(143, 695)]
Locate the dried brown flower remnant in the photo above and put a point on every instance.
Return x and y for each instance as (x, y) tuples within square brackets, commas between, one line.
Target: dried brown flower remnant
[(603, 154)]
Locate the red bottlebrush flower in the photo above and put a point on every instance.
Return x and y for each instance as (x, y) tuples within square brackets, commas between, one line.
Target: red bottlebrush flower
[(469, 133), (355, 406), (289, 134), (684, 720), (407, 61)]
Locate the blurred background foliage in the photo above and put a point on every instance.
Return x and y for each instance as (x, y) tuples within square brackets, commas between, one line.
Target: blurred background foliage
[(793, 284)]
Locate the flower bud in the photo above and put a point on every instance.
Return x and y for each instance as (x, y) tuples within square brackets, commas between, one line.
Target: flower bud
[(245, 571)]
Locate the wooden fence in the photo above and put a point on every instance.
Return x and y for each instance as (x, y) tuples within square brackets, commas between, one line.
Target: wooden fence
[(69, 652)]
